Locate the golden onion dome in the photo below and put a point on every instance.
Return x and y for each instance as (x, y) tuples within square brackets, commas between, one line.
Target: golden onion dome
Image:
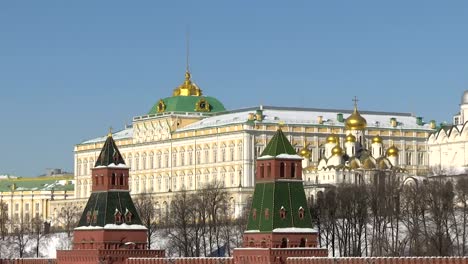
[(337, 151), (355, 121), (377, 139), (350, 138), (304, 152), (332, 139), (187, 88), (392, 151)]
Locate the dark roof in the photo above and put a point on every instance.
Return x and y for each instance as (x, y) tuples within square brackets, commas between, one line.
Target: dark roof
[(273, 196), (279, 144), (106, 204), (109, 154)]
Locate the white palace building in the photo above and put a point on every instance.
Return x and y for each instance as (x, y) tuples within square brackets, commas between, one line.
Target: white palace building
[(448, 147), (188, 140)]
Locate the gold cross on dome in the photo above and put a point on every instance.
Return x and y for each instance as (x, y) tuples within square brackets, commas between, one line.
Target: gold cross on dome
[(355, 100), (110, 132)]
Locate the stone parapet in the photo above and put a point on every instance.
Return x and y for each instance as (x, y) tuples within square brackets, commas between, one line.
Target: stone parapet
[(379, 260), (115, 256), (180, 261)]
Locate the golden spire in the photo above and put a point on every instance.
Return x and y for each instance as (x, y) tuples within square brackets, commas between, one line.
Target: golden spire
[(110, 132), (187, 88)]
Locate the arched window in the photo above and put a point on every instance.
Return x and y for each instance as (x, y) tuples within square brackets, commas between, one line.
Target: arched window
[(267, 213), (239, 151), (130, 161), (262, 171), (166, 160), (231, 152), (215, 154), (128, 217), (144, 161), (282, 213), (301, 213), (158, 161), (303, 242), (85, 167), (190, 157), (121, 179), (282, 169), (268, 170), (207, 155), (137, 162), (174, 159), (284, 242), (198, 157), (223, 154), (113, 179), (293, 170), (78, 168), (151, 161), (182, 158), (117, 217)]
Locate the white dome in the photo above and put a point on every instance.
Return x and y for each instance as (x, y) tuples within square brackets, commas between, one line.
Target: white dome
[(465, 98)]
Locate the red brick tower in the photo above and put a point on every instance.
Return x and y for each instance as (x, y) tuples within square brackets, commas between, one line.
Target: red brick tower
[(109, 229), (279, 224)]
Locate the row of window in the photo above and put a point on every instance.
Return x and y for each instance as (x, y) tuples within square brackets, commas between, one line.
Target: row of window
[(282, 213), (293, 172), (163, 184), (162, 160)]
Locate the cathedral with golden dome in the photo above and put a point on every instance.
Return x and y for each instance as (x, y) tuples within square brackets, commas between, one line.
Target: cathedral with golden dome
[(188, 140), (351, 159)]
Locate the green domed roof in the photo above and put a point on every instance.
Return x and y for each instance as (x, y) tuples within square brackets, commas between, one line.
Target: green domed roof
[(188, 104), (188, 97)]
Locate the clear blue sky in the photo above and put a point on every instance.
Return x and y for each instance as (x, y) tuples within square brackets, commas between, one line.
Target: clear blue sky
[(71, 69)]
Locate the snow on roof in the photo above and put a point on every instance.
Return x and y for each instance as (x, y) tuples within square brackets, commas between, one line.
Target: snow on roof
[(291, 116), (294, 230), (122, 134), (307, 116), (281, 156), (112, 165), (112, 227)]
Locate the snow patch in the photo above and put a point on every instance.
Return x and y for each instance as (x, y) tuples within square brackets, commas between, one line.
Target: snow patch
[(294, 230), (112, 227)]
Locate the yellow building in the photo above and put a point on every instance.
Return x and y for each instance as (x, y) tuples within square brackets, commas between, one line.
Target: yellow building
[(23, 199), (188, 140)]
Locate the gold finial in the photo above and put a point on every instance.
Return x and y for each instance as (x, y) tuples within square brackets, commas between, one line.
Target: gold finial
[(110, 132), (280, 125)]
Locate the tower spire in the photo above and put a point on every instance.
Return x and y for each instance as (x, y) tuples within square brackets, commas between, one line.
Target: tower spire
[(187, 55)]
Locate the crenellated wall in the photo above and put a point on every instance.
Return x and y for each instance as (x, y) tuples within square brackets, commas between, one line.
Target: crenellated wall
[(380, 260), (180, 261), (84, 258)]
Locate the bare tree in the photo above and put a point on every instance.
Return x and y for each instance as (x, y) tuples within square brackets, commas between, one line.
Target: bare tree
[(68, 218), (147, 212), (20, 235), (3, 220), (179, 222), (462, 198), (38, 232)]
